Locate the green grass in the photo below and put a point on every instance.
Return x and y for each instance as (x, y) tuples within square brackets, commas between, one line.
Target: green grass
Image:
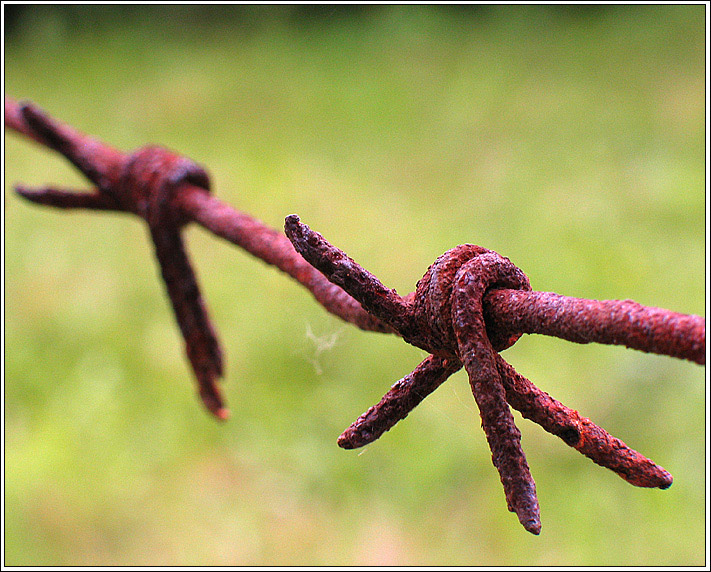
[(571, 142)]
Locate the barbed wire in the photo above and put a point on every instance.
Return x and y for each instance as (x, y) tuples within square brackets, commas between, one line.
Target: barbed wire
[(471, 304)]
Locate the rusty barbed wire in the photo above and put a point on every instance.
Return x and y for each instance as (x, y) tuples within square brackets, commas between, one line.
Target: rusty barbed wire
[(445, 316), (471, 304), (168, 191)]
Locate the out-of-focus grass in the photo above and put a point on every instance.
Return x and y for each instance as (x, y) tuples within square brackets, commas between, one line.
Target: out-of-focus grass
[(570, 141)]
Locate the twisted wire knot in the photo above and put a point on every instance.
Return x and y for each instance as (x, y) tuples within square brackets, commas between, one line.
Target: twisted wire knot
[(448, 305), (149, 180), (146, 183), (446, 317), (435, 293)]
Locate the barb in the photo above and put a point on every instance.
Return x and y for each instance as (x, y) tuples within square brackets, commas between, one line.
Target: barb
[(446, 317), (471, 304), (194, 204), (168, 191)]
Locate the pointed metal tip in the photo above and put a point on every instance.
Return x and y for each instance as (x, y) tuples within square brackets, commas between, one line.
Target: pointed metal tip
[(223, 414), (666, 482), (23, 191), (345, 442), (293, 227), (357, 435), (220, 412), (38, 196), (528, 513), (213, 402), (30, 111), (533, 526)]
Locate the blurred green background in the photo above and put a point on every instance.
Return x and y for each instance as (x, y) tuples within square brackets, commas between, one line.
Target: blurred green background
[(569, 139)]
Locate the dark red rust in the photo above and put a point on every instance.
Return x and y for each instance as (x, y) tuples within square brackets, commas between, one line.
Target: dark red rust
[(403, 397), (446, 317), (481, 272), (64, 199), (149, 183), (99, 163), (194, 204), (169, 191), (618, 322), (433, 300), (143, 183), (579, 432), (342, 270), (15, 120)]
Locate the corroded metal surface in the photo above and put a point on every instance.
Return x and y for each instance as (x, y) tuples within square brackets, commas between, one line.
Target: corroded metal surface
[(470, 304), (168, 190), (446, 317)]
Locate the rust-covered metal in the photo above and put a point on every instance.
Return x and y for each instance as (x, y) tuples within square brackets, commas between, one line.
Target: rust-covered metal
[(168, 191), (449, 315), (471, 304)]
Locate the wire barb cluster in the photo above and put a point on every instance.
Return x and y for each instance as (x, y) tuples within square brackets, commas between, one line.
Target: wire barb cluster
[(471, 304), (144, 183), (445, 316)]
